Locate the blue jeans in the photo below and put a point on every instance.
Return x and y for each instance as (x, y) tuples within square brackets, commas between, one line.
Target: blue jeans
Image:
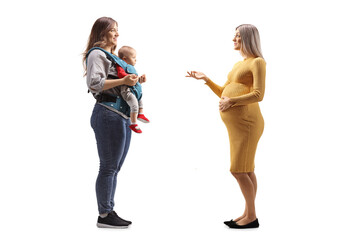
[(113, 137)]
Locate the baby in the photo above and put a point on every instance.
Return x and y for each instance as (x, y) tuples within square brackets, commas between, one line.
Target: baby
[(128, 54)]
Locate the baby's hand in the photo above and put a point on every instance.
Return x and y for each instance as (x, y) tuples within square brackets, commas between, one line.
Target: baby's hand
[(142, 78)]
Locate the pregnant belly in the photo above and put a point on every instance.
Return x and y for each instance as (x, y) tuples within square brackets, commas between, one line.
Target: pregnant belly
[(235, 90)]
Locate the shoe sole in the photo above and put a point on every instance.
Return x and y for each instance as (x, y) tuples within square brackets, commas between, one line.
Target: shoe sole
[(136, 132), (143, 121), (101, 225)]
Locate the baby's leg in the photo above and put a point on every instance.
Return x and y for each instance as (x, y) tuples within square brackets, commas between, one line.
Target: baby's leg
[(141, 115), (132, 101), (141, 106)]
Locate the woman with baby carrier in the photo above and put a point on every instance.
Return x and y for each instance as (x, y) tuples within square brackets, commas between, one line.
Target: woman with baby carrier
[(109, 122)]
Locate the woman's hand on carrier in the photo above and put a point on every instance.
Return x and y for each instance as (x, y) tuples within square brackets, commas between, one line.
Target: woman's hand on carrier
[(225, 103), (131, 79), (197, 75)]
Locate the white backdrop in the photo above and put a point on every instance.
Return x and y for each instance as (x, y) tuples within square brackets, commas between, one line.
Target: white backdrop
[(175, 182)]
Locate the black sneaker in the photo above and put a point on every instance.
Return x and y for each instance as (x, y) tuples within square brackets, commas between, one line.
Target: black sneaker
[(121, 218), (112, 221)]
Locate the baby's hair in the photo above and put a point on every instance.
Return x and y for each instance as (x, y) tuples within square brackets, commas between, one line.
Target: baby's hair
[(125, 51)]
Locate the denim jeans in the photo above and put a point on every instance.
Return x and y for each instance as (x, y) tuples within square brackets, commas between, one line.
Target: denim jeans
[(113, 137)]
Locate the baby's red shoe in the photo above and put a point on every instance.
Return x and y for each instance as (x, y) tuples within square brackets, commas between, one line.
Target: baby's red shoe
[(141, 117), (135, 128)]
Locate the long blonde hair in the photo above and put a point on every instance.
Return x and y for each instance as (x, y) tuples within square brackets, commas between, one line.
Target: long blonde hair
[(97, 36), (250, 40)]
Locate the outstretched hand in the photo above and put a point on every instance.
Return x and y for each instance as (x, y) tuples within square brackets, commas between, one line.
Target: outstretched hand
[(197, 75)]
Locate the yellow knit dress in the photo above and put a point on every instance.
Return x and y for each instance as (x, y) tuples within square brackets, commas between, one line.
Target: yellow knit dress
[(245, 87)]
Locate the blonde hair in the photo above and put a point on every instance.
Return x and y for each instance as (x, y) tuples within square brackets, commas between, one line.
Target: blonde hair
[(125, 51), (250, 40)]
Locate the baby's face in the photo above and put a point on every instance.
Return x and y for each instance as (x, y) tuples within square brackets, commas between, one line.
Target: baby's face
[(131, 58)]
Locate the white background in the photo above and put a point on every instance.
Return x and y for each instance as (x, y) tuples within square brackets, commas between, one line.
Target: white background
[(175, 183)]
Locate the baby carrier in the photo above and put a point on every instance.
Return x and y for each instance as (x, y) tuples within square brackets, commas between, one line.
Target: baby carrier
[(117, 102)]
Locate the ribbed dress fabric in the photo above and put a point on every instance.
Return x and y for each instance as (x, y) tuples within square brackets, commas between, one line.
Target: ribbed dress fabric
[(245, 124)]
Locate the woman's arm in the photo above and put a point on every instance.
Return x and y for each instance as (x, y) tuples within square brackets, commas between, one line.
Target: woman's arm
[(214, 87), (258, 70), (129, 80)]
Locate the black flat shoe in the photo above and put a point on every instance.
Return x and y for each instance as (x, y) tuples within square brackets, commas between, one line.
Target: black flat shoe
[(228, 223), (254, 224)]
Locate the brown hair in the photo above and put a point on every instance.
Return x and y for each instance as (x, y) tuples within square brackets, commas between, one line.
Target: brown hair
[(97, 36), (250, 40), (124, 51)]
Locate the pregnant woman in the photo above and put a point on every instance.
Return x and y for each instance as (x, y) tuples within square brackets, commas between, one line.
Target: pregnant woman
[(239, 110)]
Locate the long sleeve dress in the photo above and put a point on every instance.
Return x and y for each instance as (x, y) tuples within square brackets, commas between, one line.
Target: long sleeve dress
[(245, 87)]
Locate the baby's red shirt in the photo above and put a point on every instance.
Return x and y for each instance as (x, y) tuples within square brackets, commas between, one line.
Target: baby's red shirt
[(121, 72)]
